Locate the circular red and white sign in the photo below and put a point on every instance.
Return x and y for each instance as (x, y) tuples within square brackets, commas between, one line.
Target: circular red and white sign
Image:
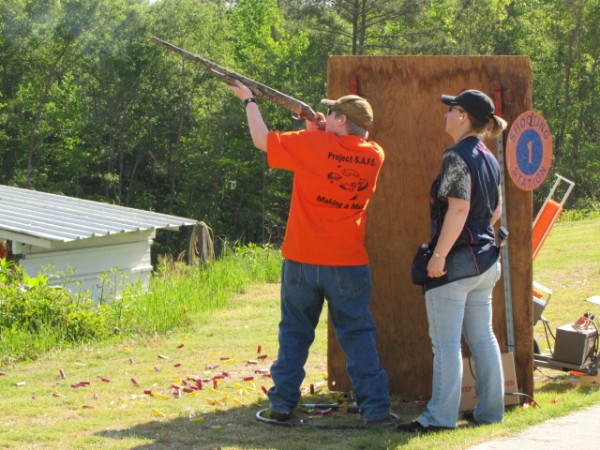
[(529, 151)]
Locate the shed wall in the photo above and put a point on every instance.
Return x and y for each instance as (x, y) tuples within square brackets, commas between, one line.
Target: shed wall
[(82, 263)]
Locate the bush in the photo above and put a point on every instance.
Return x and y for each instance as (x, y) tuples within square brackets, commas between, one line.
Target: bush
[(574, 215), (30, 307)]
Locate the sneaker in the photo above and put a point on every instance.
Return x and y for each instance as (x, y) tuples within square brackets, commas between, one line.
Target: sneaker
[(416, 427), (281, 416), (381, 421)]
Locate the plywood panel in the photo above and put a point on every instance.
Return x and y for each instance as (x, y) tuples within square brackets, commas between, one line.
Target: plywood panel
[(409, 123)]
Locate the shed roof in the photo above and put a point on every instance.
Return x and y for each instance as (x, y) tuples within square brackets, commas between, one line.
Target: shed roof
[(59, 218)]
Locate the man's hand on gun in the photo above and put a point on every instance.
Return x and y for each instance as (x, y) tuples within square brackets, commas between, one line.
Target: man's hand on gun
[(240, 90), (243, 92), (318, 124)]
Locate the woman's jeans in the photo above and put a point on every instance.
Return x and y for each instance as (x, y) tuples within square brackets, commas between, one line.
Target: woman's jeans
[(347, 290), (464, 306)]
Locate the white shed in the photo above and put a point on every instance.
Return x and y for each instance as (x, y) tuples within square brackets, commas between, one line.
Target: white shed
[(80, 240)]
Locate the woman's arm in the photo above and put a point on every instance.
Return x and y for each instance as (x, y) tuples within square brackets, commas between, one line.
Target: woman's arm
[(497, 212), (453, 224)]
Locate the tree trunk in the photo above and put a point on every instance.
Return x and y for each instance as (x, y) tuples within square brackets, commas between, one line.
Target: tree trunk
[(39, 112)]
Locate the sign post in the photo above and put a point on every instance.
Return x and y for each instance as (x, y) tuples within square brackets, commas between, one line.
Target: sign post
[(510, 327)]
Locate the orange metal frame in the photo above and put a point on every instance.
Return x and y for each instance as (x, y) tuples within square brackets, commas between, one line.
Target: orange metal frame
[(548, 215)]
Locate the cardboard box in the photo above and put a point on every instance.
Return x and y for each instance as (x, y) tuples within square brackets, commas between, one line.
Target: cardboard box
[(468, 399)]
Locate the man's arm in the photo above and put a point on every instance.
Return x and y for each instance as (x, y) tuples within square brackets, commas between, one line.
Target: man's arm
[(256, 123)]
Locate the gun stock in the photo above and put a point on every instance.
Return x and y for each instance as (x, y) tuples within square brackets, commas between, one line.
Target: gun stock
[(298, 108)]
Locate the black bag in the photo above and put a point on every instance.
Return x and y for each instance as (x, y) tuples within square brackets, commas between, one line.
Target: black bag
[(419, 264)]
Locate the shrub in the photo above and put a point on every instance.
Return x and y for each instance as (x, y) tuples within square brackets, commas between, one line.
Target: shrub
[(573, 215), (30, 307)]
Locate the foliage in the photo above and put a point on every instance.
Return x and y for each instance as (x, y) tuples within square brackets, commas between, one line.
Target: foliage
[(35, 316), (462, 27), (573, 215), (565, 59), (358, 27)]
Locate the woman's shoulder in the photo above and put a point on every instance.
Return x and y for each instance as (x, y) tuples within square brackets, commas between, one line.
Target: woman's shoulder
[(452, 157)]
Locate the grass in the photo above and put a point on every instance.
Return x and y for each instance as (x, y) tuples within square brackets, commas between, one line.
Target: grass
[(47, 412), (183, 294)]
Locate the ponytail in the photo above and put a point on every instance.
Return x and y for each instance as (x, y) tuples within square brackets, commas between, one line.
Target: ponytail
[(498, 126), (485, 129)]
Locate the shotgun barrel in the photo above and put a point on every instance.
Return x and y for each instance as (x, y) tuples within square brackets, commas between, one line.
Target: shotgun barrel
[(297, 107)]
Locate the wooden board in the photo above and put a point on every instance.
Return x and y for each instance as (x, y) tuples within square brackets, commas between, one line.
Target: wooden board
[(409, 123)]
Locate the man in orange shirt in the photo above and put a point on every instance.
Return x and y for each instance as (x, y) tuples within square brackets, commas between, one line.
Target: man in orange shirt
[(335, 173)]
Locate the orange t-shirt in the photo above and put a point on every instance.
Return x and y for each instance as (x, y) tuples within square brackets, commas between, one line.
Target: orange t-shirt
[(334, 178)]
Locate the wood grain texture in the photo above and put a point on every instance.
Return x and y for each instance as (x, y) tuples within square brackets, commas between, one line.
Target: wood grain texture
[(404, 92)]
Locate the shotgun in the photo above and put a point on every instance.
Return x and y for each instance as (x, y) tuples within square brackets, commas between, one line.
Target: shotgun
[(298, 108)]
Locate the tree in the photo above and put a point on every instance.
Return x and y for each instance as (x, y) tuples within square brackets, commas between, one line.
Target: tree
[(359, 27), (56, 47)]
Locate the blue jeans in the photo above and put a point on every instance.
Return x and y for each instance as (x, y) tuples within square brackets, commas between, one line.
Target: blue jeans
[(464, 306), (347, 290)]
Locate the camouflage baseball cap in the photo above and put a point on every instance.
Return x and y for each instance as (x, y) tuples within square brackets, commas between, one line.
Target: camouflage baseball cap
[(356, 108)]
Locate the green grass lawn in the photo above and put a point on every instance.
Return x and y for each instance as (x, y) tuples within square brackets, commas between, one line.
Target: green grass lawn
[(40, 409)]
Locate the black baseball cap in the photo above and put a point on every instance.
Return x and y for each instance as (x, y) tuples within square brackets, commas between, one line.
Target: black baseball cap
[(476, 103)]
